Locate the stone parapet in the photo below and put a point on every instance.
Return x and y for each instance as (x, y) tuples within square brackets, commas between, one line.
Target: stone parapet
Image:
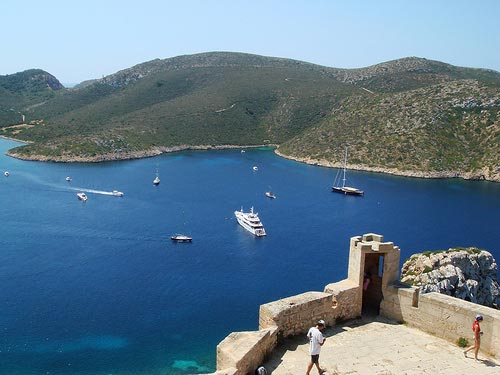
[(245, 350), (295, 315), (241, 352), (344, 300), (442, 315)]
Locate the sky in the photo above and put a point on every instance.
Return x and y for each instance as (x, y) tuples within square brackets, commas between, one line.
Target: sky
[(79, 40)]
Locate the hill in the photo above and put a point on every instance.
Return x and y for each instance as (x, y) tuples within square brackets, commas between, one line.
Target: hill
[(20, 90), (450, 129), (408, 115)]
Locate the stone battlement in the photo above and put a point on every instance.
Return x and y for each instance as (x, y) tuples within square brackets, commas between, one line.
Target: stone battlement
[(369, 258)]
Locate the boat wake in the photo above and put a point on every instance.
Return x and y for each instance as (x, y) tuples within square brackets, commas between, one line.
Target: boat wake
[(59, 186), (93, 191)]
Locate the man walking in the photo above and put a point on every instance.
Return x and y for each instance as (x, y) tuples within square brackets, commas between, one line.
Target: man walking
[(316, 340)]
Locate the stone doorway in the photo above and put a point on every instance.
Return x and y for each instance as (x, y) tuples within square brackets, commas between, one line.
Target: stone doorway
[(372, 283)]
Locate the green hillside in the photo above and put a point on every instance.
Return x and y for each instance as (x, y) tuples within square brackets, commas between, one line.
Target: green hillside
[(451, 126), (410, 114), (19, 91)]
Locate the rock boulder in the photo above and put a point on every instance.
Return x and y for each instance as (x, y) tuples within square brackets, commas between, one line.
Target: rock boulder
[(466, 273)]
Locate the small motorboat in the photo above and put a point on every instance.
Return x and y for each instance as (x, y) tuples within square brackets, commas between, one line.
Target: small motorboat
[(6, 173), (156, 181), (255, 168), (117, 193), (181, 238), (270, 195), (82, 196), (68, 179)]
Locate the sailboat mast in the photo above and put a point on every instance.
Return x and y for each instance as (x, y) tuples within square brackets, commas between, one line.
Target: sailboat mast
[(345, 164)]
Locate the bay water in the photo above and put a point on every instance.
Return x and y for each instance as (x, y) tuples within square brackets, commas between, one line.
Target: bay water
[(99, 288)]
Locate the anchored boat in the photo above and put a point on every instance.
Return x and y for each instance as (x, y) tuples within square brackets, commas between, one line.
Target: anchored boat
[(251, 222), (181, 238), (346, 190)]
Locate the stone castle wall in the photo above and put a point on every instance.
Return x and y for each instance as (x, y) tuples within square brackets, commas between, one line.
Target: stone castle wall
[(443, 316)]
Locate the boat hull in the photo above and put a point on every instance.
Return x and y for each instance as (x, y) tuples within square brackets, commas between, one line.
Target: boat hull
[(348, 191), (181, 238)]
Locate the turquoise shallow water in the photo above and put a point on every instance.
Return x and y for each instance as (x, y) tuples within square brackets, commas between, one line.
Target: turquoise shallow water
[(98, 288)]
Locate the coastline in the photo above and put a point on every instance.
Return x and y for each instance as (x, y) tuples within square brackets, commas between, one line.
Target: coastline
[(15, 139), (478, 176), (483, 175), (155, 151)]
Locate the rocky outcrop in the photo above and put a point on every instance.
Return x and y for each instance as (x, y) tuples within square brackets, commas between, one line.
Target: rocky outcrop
[(469, 274)]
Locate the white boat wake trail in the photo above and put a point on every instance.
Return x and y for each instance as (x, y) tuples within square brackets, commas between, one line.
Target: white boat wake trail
[(92, 191), (60, 186)]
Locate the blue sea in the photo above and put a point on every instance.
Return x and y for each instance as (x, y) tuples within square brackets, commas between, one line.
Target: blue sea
[(99, 288)]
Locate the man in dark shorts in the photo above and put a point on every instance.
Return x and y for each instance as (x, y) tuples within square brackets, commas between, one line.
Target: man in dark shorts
[(316, 340)]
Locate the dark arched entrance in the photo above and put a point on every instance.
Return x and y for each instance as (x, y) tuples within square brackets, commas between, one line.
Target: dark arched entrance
[(372, 288)]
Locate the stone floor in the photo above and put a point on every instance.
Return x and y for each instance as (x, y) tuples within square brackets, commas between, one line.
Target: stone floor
[(379, 347)]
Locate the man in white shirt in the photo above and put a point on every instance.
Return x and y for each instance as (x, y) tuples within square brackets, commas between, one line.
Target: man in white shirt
[(316, 340)]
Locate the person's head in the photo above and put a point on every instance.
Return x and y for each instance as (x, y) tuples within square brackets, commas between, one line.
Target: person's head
[(479, 318), (320, 324)]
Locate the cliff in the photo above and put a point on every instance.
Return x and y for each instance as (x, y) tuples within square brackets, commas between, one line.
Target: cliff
[(469, 274)]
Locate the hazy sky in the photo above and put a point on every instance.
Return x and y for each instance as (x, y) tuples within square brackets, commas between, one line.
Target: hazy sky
[(78, 40)]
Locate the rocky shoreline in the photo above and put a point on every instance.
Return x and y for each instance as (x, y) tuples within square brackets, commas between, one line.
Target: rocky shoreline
[(155, 151), (483, 175)]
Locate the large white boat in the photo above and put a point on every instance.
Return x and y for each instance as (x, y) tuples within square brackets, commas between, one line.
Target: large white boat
[(82, 196), (251, 222)]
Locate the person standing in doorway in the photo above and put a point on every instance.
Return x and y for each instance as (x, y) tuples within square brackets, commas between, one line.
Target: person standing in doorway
[(316, 340), (477, 337)]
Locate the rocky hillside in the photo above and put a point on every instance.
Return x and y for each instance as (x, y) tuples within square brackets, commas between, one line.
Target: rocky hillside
[(450, 129), (20, 90), (469, 274), (410, 116)]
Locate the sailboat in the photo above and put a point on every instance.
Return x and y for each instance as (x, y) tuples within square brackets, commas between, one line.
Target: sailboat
[(156, 181), (346, 190)]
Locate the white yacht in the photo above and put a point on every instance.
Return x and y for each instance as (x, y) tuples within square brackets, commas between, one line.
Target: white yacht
[(251, 222), (68, 179), (6, 173), (117, 193), (82, 196), (181, 238)]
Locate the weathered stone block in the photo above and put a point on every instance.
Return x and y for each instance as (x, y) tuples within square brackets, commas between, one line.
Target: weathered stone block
[(245, 350)]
